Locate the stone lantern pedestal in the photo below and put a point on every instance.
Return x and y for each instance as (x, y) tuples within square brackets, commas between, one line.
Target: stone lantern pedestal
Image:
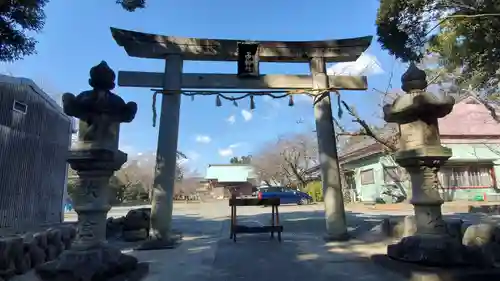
[(421, 154), (95, 158)]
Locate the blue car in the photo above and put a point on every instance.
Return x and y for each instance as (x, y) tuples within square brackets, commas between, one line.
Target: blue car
[(286, 195)]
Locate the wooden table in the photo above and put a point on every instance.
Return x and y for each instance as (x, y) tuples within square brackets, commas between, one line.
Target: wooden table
[(275, 217)]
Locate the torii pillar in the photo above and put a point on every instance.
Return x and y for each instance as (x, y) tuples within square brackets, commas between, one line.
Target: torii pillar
[(176, 49)]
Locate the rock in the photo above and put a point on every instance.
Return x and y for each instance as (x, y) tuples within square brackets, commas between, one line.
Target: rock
[(37, 255), (10, 247), (137, 219), (41, 238), (16, 254), (66, 237), (135, 235), (54, 238), (54, 235), (101, 263), (429, 250), (482, 242), (52, 252), (478, 235), (114, 227), (23, 264)]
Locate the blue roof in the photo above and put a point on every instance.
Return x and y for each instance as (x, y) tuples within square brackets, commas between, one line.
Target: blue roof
[(230, 173)]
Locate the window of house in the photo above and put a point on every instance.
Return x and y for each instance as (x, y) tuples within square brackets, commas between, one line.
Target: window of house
[(367, 177), (465, 176), (392, 175)]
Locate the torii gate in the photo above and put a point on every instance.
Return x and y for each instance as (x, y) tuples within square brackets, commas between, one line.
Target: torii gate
[(174, 50)]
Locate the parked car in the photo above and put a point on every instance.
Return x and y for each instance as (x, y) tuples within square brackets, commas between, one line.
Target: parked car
[(286, 195)]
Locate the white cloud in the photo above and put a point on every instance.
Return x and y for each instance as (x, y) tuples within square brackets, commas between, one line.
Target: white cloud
[(229, 151), (226, 152), (235, 145), (192, 156), (247, 115), (203, 139), (366, 64), (231, 119)]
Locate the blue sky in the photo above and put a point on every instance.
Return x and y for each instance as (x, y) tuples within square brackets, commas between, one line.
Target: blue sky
[(77, 36)]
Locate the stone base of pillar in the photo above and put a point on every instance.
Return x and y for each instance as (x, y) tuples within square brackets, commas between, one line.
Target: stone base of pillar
[(99, 263), (160, 244), (429, 250), (336, 238), (414, 271)]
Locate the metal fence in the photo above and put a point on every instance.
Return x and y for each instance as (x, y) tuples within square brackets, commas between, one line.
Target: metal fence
[(34, 139)]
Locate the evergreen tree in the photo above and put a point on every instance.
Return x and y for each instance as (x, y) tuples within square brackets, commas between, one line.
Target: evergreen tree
[(463, 33), (19, 19)]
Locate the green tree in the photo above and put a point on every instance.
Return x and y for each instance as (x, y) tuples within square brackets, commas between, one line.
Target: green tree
[(241, 160), (463, 33), (132, 5), (315, 190), (18, 21), (117, 190), (21, 19)]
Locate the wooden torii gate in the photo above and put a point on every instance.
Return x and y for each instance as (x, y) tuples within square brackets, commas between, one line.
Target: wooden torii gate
[(174, 50)]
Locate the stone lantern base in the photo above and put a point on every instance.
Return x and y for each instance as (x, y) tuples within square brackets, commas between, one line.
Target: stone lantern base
[(430, 250), (100, 263)]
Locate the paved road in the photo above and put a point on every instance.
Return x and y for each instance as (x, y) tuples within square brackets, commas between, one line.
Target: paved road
[(207, 254), (195, 218)]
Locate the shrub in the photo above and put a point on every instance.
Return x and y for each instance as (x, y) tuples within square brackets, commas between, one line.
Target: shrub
[(315, 190)]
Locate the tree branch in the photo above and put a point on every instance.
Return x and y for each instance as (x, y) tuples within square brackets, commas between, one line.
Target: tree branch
[(367, 130)]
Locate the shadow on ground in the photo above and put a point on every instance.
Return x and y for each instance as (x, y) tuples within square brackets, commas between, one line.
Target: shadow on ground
[(207, 253)]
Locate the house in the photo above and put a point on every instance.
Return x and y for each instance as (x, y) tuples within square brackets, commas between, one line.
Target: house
[(227, 179), (469, 130)]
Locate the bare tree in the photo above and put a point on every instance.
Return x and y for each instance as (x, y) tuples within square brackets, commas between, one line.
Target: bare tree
[(299, 153), (286, 160), (268, 163), (134, 177), (188, 185)]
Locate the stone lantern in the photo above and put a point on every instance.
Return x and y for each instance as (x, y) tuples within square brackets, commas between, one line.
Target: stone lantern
[(421, 154), (95, 158)]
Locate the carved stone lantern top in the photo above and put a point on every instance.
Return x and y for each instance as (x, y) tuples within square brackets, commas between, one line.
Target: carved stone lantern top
[(99, 108), (100, 112), (416, 104), (100, 100)]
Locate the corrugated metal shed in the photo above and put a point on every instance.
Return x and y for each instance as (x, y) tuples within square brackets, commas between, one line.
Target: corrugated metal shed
[(35, 136)]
